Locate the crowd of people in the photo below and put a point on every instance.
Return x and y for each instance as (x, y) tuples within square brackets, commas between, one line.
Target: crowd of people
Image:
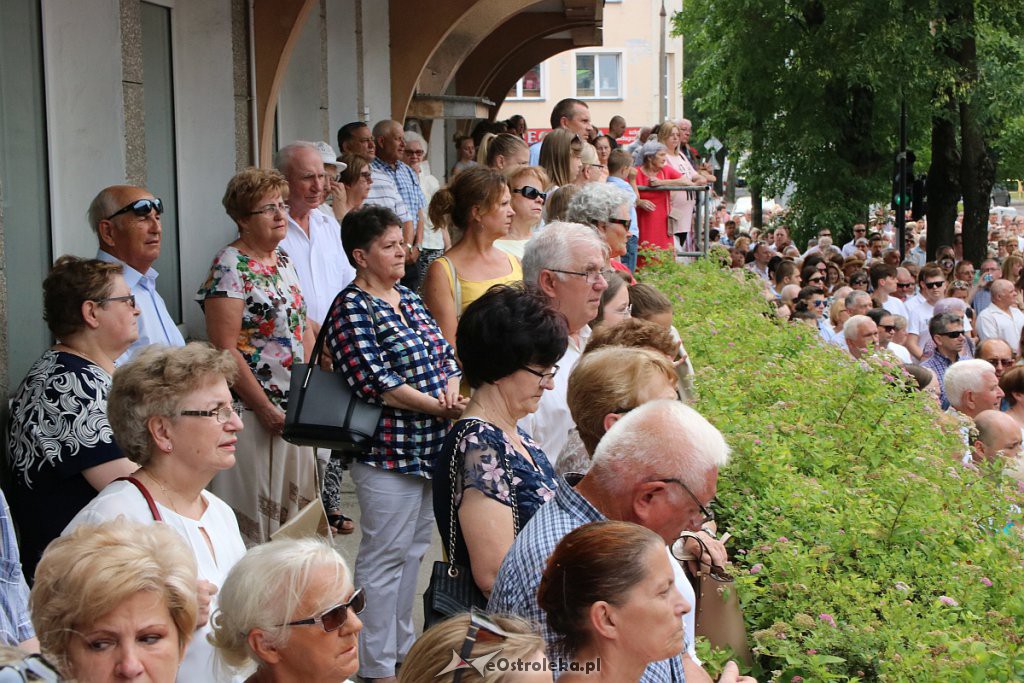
[(520, 367)]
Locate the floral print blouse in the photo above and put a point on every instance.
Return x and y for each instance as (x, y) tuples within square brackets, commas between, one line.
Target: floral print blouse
[(273, 320)]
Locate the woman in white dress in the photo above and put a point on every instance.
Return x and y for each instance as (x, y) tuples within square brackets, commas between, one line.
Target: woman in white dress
[(171, 412)]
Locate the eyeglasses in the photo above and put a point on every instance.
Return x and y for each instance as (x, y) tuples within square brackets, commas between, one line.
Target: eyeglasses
[(904, 285), (859, 230), (129, 298), (414, 152), (935, 285), (550, 375), (819, 304), (858, 282), (529, 192), (816, 279), (593, 276), (223, 414), (888, 328), (952, 334), (714, 571), (706, 514), (335, 617), (624, 222), (480, 627), (30, 669), (1001, 362), (960, 284), (140, 207), (271, 210), (367, 175)]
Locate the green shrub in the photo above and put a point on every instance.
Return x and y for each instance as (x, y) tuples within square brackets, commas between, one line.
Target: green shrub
[(863, 549)]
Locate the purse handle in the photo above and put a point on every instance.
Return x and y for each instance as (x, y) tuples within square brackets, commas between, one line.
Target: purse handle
[(452, 518), (321, 340)]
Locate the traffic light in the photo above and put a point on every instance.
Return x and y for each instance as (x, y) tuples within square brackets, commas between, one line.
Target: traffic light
[(902, 202), (919, 198)]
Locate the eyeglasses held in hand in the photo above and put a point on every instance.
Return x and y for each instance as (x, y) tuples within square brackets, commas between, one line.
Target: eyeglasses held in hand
[(335, 617), (529, 192), (715, 571), (140, 207), (223, 414)]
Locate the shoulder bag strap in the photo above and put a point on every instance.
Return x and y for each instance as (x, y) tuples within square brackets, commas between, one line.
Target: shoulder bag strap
[(145, 494), (456, 287), (453, 470), (512, 494)]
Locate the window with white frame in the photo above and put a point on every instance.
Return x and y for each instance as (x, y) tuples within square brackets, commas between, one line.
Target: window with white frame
[(529, 87), (599, 75)]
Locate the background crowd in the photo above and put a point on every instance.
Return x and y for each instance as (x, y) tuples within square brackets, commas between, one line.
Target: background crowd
[(521, 370)]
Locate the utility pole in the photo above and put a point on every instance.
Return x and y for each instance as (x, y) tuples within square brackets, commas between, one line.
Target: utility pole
[(662, 72)]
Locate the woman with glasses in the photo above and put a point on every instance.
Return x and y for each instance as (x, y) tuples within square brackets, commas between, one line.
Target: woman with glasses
[(526, 183), (60, 448), (615, 307), (289, 609), (255, 311), (357, 179), (392, 354), (490, 472), (436, 239), (172, 413), (477, 209), (117, 602)]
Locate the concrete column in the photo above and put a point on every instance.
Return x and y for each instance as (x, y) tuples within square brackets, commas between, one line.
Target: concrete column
[(132, 90)]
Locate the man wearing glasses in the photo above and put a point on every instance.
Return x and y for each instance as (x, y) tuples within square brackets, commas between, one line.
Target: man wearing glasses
[(884, 284), (569, 263), (126, 220), (859, 230), (947, 330), (906, 287), (921, 307)]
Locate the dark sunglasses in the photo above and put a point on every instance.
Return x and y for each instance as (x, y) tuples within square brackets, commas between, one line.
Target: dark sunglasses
[(888, 328), (140, 207), (935, 285), (531, 192), (953, 334), (335, 617), (816, 279), (481, 628), (1001, 362), (624, 222), (904, 285), (31, 668)]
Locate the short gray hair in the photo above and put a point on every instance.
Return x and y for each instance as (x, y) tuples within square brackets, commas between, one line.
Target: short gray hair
[(283, 158), (851, 328), (553, 247), (264, 589), (102, 206), (596, 202), (964, 376), (851, 298), (627, 455), (647, 150)]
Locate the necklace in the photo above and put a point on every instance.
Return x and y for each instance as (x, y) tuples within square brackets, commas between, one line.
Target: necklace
[(167, 493)]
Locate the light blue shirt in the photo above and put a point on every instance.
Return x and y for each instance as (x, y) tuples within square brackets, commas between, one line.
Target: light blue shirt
[(155, 323), (634, 229)]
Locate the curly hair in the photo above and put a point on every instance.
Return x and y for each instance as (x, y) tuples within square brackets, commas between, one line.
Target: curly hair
[(248, 187), (71, 282)]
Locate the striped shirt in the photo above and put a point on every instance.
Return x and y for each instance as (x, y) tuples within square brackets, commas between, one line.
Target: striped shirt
[(378, 358), (406, 182)]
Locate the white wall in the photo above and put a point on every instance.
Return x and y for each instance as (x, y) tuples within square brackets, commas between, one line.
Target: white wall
[(341, 66), (84, 113), (205, 116), (298, 105), (377, 59)]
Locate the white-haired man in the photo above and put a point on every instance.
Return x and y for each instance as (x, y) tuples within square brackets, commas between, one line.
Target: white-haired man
[(861, 334), (1002, 319), (971, 388), (126, 220), (567, 261), (663, 484)]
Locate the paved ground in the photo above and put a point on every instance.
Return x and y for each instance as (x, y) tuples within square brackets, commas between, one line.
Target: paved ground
[(349, 547)]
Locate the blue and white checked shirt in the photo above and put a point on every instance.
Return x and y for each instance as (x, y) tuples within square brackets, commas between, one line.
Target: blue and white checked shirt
[(15, 622), (378, 359), (515, 588), (407, 183)]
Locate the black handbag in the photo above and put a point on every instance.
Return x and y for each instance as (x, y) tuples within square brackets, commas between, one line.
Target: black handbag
[(323, 410), (452, 589)]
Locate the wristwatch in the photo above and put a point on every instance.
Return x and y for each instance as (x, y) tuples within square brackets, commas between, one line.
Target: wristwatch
[(409, 247)]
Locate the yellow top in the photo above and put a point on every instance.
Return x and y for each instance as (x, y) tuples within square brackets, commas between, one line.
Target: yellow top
[(473, 289)]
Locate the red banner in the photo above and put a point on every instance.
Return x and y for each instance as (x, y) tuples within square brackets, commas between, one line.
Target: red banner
[(537, 134)]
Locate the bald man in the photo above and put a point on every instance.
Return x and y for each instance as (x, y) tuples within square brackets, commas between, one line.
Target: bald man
[(999, 435), (998, 353), (126, 220), (1002, 319)]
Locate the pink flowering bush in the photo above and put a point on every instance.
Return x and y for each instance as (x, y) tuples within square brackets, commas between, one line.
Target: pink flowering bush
[(871, 553)]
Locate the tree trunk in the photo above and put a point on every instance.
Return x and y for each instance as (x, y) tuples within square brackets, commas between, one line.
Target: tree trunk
[(977, 168), (943, 181)]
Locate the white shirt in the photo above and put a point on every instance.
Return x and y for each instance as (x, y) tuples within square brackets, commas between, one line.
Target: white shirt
[(121, 498), (900, 351), (994, 322), (320, 262), (549, 426), (920, 314), (684, 586), (896, 307), (432, 239)]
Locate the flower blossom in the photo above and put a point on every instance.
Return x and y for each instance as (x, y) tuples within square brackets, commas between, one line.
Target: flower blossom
[(948, 601), (827, 618)]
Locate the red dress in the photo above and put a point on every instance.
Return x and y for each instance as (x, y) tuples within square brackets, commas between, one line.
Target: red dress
[(653, 225)]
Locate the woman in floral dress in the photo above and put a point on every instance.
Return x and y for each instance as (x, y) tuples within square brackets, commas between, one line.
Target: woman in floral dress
[(509, 340), (254, 310)]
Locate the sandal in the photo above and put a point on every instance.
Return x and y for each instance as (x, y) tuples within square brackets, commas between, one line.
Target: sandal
[(340, 524)]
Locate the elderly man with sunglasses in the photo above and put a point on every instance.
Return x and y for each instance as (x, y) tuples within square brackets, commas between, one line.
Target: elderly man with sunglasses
[(126, 220)]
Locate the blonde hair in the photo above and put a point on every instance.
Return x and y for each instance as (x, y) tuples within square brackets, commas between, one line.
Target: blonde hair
[(90, 571), (516, 173), (264, 589), (432, 651), (556, 152), (154, 383), (609, 380)]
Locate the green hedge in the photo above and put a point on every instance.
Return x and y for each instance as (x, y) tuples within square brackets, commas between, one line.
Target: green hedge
[(863, 549)]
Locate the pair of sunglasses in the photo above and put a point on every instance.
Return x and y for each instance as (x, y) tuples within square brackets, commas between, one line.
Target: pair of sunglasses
[(529, 192), (31, 668), (140, 207), (335, 617), (481, 628)]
